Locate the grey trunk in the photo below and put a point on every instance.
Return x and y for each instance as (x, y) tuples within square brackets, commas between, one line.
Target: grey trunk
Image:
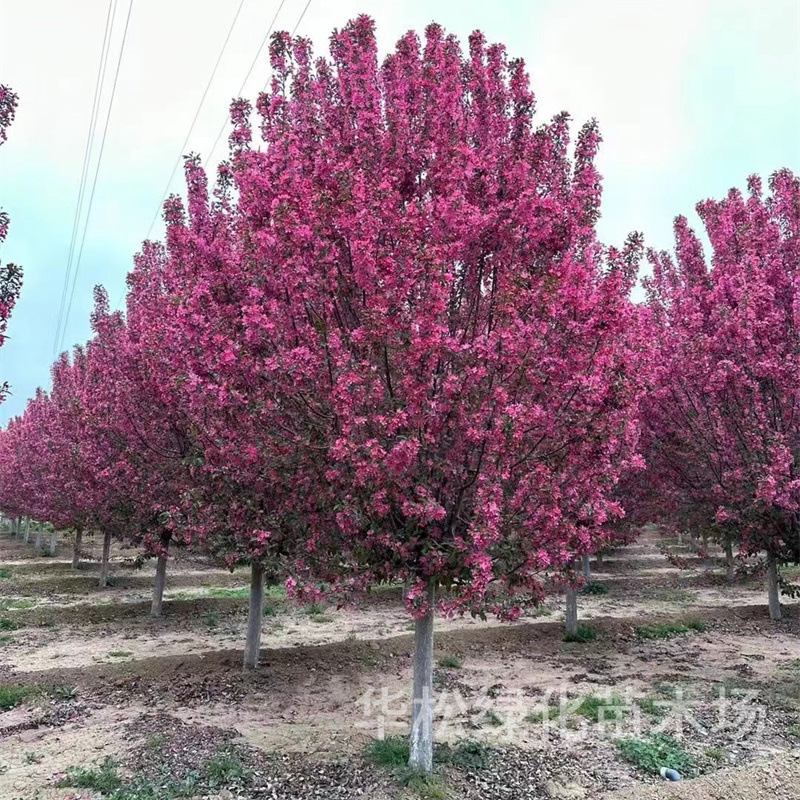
[(53, 543), (421, 745), (730, 566), (104, 562), (253, 642), (76, 553), (571, 622), (39, 539), (599, 558), (772, 587), (161, 579), (27, 529), (587, 566)]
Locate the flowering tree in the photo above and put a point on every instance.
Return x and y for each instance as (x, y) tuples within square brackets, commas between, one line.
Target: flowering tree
[(249, 497), (725, 439), (135, 447), (409, 291), (14, 495), (10, 274)]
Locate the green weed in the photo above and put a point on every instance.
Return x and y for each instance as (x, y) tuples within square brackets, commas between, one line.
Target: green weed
[(716, 754), (222, 592), (450, 661), (388, 753), (12, 696), (226, 769), (594, 708), (584, 634), (653, 707), (538, 717), (467, 755), (667, 630), (657, 751), (595, 588), (104, 778)]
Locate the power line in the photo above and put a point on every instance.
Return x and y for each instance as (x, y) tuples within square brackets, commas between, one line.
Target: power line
[(294, 30), (97, 170), (194, 120), (247, 77), (98, 90), (239, 93)]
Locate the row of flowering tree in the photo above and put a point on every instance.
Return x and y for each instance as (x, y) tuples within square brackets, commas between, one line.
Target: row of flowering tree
[(722, 422), (388, 346)]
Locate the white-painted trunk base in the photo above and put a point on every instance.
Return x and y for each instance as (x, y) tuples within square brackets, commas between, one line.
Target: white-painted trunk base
[(421, 744), (773, 589), (161, 579), (76, 552), (730, 564), (252, 645), (105, 559), (571, 613)]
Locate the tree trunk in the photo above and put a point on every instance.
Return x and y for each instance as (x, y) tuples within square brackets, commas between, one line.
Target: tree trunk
[(571, 622), (39, 540), (53, 543), (27, 529), (680, 538), (587, 566), (161, 577), (253, 642), (772, 587), (76, 553), (730, 566), (421, 749), (104, 562), (599, 558)]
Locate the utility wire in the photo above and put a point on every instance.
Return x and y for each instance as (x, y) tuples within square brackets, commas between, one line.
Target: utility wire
[(194, 120), (247, 77), (97, 171), (239, 93), (98, 90), (294, 31)]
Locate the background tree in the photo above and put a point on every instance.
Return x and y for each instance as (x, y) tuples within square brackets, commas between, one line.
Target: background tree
[(724, 435)]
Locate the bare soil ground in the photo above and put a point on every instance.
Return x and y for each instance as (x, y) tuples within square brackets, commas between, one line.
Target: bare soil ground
[(87, 678)]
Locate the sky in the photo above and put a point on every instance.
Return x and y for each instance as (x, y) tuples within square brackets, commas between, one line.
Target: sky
[(692, 96)]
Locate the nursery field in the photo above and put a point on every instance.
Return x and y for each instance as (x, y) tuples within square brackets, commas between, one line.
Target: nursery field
[(679, 668)]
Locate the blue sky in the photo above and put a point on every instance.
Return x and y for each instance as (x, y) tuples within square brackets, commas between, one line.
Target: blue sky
[(691, 95)]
